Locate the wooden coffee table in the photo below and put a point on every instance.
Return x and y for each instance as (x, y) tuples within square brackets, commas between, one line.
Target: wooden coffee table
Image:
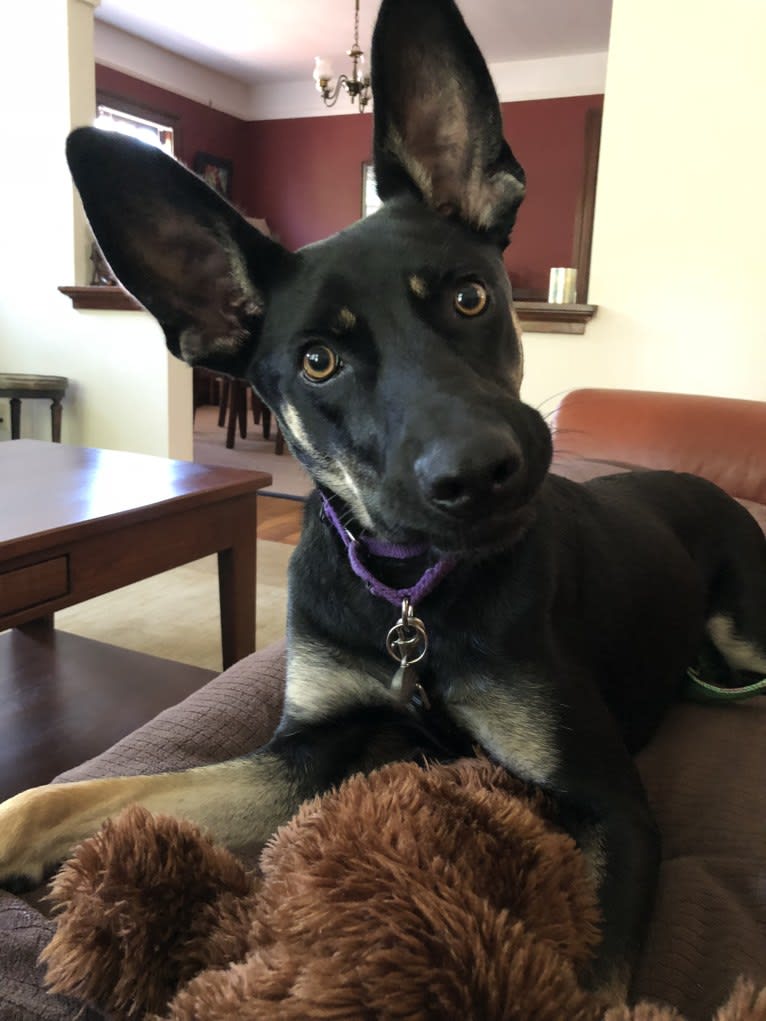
[(77, 522)]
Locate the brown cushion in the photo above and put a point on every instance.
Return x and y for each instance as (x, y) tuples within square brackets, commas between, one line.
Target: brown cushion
[(719, 438), (580, 469)]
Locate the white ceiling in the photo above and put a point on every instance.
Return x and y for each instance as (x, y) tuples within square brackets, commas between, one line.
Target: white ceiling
[(263, 40)]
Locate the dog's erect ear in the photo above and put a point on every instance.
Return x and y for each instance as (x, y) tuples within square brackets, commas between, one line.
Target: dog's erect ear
[(181, 249), (438, 128)]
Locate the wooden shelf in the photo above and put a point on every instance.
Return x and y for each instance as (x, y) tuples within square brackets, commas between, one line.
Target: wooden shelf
[(104, 297), (543, 317), (535, 316)]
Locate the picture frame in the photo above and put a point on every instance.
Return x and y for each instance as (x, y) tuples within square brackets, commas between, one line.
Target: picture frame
[(370, 199), (215, 171)]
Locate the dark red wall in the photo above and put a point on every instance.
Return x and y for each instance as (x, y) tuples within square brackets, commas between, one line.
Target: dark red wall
[(304, 175), (199, 128), (548, 138), (305, 179)]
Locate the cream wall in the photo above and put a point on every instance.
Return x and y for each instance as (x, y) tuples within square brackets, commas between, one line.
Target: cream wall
[(126, 393), (679, 254), (125, 52)]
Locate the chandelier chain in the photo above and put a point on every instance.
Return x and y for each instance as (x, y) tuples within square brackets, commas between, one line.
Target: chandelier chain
[(356, 85)]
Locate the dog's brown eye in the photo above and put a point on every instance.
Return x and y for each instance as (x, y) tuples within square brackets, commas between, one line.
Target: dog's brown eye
[(471, 299), (319, 363)]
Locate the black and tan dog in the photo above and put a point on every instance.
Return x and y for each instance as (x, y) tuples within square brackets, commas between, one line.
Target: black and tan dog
[(547, 622)]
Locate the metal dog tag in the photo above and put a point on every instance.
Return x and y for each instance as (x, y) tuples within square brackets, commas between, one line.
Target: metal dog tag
[(406, 687), (407, 642), (404, 682)]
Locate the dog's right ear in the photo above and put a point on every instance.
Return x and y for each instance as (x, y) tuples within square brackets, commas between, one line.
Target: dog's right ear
[(438, 126), (187, 255)]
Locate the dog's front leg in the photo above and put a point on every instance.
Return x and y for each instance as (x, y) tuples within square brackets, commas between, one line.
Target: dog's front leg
[(240, 802), (565, 741), (602, 802), (621, 842)]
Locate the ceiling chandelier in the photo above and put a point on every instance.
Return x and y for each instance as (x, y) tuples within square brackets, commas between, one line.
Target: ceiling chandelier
[(356, 85)]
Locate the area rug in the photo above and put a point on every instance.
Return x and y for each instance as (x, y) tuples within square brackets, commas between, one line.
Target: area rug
[(175, 615), (253, 452)]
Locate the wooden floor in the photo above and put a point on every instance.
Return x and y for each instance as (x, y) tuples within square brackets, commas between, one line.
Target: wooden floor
[(279, 519)]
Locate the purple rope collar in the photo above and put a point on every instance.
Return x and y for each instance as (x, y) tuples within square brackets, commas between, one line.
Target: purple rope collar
[(354, 547)]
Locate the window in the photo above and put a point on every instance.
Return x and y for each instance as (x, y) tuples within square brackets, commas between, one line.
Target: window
[(153, 132)]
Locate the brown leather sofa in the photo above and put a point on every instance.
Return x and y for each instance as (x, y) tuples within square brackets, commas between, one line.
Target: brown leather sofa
[(719, 438), (705, 771)]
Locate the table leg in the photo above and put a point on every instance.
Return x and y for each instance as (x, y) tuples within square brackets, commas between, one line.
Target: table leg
[(56, 420), (231, 423), (39, 627), (15, 418), (236, 589), (223, 400), (242, 389)]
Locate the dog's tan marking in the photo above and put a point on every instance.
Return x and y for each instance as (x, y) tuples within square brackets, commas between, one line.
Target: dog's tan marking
[(593, 848), (433, 151), (418, 286), (322, 682), (251, 298), (518, 374), (737, 651), (613, 992), (241, 802), (345, 321), (195, 345), (332, 473), (518, 730), (346, 486), (209, 280), (295, 428)]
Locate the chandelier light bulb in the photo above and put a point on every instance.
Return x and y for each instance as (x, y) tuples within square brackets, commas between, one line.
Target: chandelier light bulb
[(323, 71)]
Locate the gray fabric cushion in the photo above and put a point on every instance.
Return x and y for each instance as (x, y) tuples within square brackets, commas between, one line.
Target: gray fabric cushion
[(705, 774), (232, 714)]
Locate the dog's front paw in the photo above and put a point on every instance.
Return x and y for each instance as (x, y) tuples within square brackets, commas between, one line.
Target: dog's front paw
[(33, 836)]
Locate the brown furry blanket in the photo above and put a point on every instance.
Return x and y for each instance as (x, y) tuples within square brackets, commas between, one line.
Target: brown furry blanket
[(441, 893)]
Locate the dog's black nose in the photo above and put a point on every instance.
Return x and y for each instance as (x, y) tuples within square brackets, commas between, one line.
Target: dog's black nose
[(460, 477)]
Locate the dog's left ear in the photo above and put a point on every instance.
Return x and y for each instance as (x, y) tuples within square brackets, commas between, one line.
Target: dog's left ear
[(438, 127)]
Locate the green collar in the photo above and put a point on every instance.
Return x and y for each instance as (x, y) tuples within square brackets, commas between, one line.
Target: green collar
[(697, 690)]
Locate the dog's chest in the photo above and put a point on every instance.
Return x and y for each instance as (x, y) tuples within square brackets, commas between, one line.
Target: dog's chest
[(338, 657), (508, 715)]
